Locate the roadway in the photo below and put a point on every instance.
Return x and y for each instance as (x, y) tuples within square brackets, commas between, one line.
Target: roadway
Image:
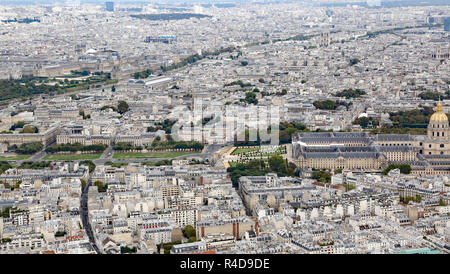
[(84, 214)]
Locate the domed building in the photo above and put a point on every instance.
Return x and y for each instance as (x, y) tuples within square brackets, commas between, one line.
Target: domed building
[(438, 133), (359, 151)]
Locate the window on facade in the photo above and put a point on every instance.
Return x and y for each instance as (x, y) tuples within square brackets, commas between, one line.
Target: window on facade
[(429, 146), (437, 134), (442, 145), (442, 152)]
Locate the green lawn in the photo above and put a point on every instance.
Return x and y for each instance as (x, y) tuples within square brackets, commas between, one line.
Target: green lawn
[(70, 157), (152, 154), (14, 158)]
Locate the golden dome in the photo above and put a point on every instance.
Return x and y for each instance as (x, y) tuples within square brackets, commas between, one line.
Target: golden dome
[(439, 116)]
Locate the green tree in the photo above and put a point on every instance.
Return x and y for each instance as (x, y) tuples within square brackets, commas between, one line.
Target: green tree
[(328, 104), (321, 175), (364, 122), (404, 168), (250, 98), (30, 129), (189, 231), (101, 187), (90, 165), (4, 165), (29, 148), (278, 164), (123, 107)]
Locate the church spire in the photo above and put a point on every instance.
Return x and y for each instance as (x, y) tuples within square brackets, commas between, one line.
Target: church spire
[(439, 105)]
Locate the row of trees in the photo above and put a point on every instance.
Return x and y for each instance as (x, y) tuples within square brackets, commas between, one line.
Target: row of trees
[(238, 83), (126, 146), (404, 168), (171, 144), (195, 58), (35, 165), (27, 148), (142, 74), (350, 93), (186, 61), (75, 147), (330, 104)]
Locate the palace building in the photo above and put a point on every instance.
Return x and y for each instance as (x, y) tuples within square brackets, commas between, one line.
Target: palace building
[(426, 154)]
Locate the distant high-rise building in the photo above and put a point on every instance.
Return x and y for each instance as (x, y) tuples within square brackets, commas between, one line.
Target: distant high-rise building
[(109, 6), (447, 24)]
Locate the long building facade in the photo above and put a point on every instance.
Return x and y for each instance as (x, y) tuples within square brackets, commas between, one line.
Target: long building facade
[(426, 154)]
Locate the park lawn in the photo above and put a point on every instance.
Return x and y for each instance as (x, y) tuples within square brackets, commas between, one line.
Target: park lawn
[(14, 158), (152, 154), (70, 157)]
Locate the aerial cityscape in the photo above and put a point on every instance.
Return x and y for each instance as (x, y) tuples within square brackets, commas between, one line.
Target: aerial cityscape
[(225, 127)]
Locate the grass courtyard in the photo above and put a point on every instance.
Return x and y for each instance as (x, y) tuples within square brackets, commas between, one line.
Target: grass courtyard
[(14, 158), (71, 157)]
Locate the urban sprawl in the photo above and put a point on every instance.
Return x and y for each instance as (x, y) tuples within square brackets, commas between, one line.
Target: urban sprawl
[(255, 127)]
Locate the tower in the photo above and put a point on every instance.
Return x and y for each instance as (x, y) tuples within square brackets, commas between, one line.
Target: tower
[(438, 128)]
